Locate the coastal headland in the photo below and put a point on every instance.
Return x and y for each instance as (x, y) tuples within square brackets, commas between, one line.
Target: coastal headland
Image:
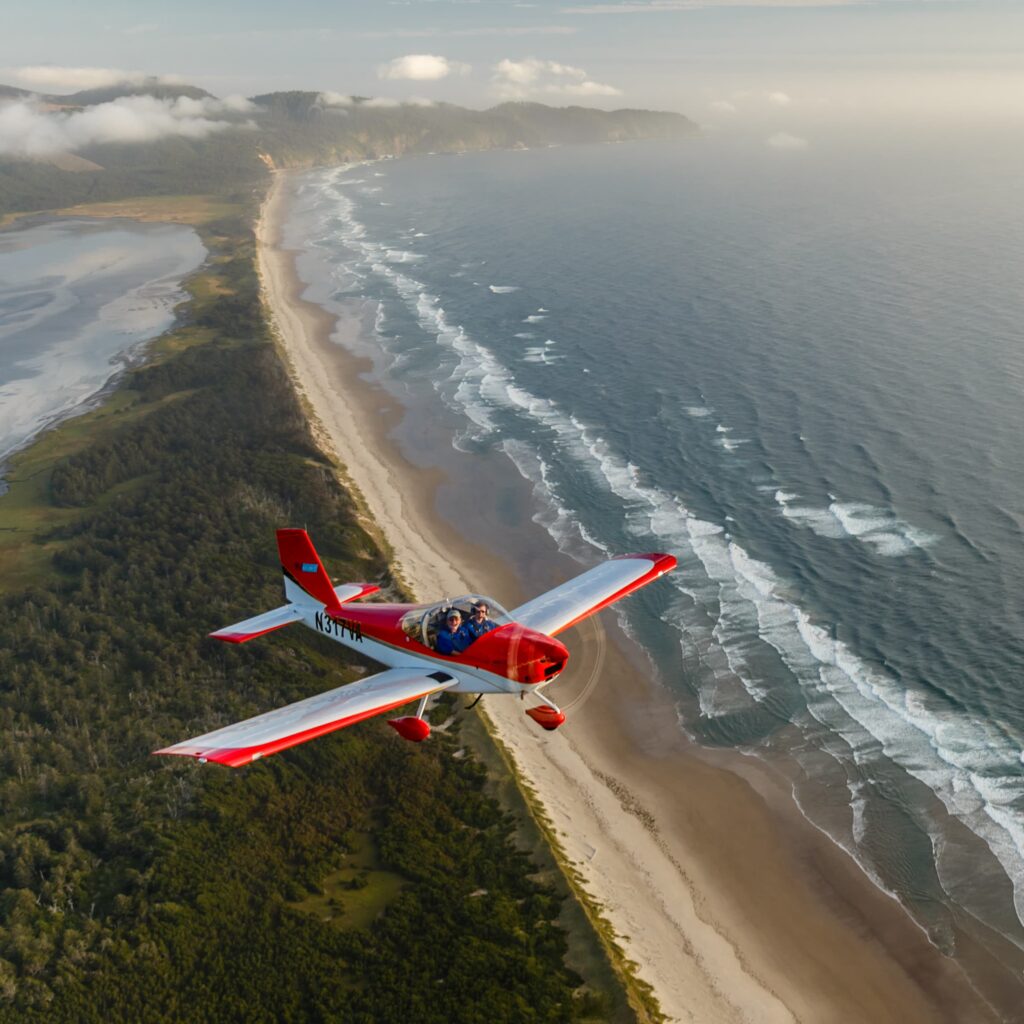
[(727, 903)]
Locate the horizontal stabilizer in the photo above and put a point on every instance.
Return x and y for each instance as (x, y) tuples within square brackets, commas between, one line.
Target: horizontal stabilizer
[(258, 625), (266, 734), (558, 609), (355, 591)]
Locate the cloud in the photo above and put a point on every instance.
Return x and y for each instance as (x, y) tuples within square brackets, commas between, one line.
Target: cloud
[(29, 131), (421, 67), (380, 101), (517, 79), (783, 140), (722, 107), (335, 99), (779, 98), (49, 77)]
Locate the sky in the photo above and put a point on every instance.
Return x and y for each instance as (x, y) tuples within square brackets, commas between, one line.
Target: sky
[(716, 60)]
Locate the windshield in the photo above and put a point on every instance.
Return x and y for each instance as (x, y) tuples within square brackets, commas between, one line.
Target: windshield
[(423, 624)]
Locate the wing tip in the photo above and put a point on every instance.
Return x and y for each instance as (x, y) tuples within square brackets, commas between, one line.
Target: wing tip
[(662, 562), (229, 638), (227, 757)]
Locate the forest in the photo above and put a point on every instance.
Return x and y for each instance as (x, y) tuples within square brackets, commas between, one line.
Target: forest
[(358, 878)]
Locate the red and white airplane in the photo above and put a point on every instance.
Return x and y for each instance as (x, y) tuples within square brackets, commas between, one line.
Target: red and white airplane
[(519, 655)]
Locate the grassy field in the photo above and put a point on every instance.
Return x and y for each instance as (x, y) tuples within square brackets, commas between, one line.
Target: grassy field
[(357, 893)]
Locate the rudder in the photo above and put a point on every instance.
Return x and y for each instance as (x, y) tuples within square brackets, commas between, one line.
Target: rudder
[(302, 567)]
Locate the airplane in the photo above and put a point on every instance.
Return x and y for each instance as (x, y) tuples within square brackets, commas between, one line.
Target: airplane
[(519, 655)]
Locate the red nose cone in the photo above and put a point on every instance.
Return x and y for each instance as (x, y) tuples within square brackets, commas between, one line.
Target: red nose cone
[(412, 728), (546, 717), (521, 654)]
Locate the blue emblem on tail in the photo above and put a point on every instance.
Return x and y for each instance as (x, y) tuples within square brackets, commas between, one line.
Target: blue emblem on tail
[(310, 567)]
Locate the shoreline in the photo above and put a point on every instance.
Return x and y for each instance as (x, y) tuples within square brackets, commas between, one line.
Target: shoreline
[(732, 905)]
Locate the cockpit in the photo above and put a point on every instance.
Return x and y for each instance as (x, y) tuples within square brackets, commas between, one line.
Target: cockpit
[(423, 624)]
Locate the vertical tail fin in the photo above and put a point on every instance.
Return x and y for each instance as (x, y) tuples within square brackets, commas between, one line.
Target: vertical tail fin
[(304, 573)]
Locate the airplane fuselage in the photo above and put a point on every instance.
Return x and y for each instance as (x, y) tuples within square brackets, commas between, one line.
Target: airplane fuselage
[(383, 641)]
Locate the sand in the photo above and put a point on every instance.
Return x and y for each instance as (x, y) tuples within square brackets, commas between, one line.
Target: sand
[(732, 906)]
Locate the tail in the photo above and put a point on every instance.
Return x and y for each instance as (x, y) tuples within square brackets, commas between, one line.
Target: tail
[(305, 577), (305, 582), (304, 574)]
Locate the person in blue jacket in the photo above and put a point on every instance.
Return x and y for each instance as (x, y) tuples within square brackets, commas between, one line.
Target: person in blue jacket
[(453, 637), (479, 623)]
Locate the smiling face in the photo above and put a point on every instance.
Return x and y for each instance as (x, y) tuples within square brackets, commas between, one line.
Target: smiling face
[(479, 612), (454, 620)]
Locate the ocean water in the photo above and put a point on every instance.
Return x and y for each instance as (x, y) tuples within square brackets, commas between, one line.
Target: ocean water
[(77, 298), (800, 372)]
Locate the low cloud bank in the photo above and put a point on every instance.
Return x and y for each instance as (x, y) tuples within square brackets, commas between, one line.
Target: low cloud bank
[(28, 130), (519, 79), (335, 99), (48, 77)]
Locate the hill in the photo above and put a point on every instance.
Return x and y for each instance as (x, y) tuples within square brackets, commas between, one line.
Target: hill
[(300, 129)]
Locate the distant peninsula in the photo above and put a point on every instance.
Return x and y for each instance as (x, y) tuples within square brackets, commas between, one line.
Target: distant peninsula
[(276, 130)]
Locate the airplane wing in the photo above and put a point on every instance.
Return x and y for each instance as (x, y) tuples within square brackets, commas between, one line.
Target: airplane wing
[(266, 734), (558, 609), (249, 629)]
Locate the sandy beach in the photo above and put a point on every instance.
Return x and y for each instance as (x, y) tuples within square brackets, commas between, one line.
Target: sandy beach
[(732, 906)]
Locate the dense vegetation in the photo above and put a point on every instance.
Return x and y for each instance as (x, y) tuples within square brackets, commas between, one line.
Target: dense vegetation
[(357, 878), (295, 129)]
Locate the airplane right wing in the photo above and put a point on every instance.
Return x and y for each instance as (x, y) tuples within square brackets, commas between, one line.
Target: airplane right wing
[(266, 734), (558, 609)]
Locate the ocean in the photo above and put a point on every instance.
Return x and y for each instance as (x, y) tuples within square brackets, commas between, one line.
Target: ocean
[(800, 371), (77, 298)]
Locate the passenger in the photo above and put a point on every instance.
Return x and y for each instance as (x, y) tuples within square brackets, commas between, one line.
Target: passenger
[(479, 623), (453, 637)]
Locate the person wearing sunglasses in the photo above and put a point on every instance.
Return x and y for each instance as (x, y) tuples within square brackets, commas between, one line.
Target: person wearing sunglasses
[(479, 623)]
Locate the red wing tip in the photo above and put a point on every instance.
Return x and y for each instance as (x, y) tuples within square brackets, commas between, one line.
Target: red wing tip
[(231, 758), (662, 562), (230, 638)]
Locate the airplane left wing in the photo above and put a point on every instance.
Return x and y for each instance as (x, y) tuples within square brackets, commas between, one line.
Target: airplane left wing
[(237, 745)]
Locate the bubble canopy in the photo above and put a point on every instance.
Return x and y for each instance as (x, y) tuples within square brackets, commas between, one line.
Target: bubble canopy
[(421, 624)]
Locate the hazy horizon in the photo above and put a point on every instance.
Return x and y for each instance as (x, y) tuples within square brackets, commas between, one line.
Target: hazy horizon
[(775, 62)]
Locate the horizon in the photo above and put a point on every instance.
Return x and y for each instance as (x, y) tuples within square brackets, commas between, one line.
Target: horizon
[(720, 62)]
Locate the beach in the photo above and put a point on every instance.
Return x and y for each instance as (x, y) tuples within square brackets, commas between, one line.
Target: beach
[(732, 906)]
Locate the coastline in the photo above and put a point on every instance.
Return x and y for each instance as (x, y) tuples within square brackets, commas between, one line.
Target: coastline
[(732, 906)]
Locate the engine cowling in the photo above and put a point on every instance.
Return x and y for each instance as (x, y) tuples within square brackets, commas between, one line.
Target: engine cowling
[(520, 654)]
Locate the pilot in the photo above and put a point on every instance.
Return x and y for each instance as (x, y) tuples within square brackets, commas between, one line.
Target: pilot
[(479, 623), (453, 637)]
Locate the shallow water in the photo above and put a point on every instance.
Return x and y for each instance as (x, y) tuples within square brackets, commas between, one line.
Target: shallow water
[(799, 372), (77, 298)]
